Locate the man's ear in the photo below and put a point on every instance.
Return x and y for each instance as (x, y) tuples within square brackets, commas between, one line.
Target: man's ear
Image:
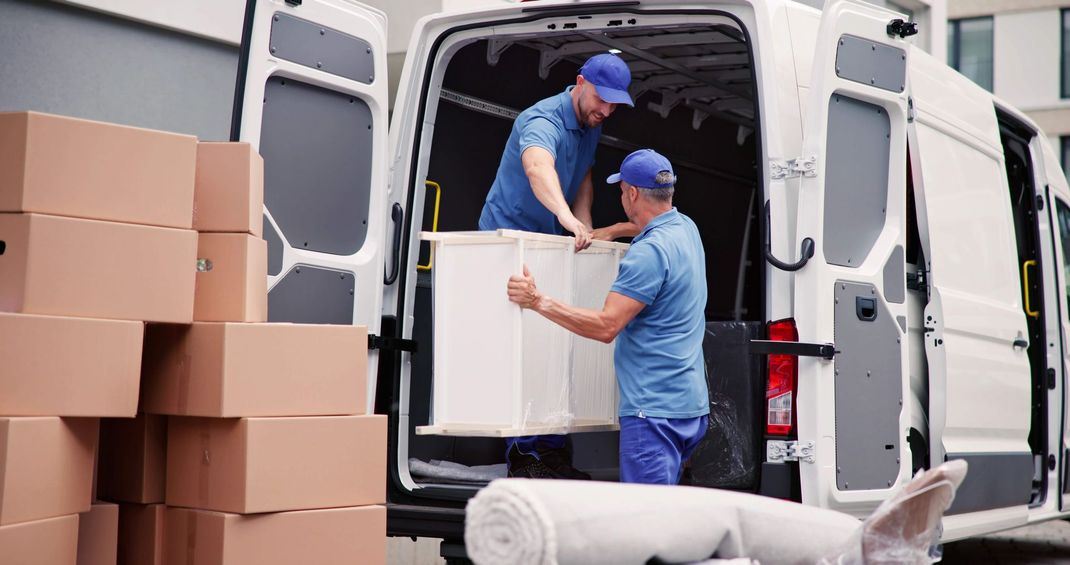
[(580, 80)]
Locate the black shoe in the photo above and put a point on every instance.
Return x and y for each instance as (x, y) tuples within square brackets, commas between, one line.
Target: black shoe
[(524, 466), (559, 461)]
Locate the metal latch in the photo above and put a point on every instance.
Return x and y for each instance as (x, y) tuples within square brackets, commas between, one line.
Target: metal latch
[(911, 114), (917, 281), (769, 347), (777, 451), (391, 343), (793, 168)]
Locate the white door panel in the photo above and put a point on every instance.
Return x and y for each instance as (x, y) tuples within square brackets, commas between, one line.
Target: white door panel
[(314, 104), (852, 292), (979, 379), (1059, 207)]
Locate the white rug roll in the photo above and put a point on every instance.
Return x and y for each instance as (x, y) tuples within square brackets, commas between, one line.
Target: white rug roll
[(544, 522)]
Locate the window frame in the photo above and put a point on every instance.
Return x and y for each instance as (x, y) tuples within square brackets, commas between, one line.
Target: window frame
[(1059, 206), (1064, 92), (954, 51)]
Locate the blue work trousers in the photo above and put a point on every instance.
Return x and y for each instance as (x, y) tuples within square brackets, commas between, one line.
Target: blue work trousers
[(653, 450), (528, 444)]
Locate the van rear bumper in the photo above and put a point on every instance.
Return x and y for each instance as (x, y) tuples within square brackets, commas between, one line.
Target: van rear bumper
[(780, 480), (424, 521)]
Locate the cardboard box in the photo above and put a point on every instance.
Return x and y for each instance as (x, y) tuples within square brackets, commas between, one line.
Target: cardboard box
[(236, 370), (133, 459), (46, 467), (229, 195), (141, 531), (53, 541), (80, 168), (72, 267), (98, 535), (231, 278), (339, 536), (55, 366), (252, 465)]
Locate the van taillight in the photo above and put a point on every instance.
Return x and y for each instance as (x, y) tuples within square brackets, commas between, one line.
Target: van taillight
[(783, 376)]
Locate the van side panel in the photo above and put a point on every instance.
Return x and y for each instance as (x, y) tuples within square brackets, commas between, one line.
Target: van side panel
[(979, 380)]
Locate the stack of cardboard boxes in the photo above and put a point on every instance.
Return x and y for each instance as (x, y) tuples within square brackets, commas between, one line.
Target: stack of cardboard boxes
[(250, 443), (95, 239)]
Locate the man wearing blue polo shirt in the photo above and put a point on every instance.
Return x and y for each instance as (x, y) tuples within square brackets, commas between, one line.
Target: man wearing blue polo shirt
[(655, 311), (544, 185)]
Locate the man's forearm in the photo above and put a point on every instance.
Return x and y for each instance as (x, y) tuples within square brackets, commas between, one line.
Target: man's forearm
[(543, 180), (591, 324), (625, 229)]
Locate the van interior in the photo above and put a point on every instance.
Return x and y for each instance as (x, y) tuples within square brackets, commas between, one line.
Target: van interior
[(695, 95)]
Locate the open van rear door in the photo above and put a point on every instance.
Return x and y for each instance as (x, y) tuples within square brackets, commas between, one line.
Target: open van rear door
[(852, 205), (312, 98)]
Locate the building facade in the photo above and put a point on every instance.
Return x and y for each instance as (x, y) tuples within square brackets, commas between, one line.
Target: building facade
[(1019, 50)]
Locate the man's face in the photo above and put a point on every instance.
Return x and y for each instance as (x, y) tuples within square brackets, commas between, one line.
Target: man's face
[(593, 110)]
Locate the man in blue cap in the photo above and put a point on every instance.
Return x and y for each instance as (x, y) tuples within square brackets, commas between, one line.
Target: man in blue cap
[(655, 310), (544, 185)]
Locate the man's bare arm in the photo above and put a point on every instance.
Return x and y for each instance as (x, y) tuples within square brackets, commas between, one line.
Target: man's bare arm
[(601, 325), (615, 231), (581, 208), (539, 168)]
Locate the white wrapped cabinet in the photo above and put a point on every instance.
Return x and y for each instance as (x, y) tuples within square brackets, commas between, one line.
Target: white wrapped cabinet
[(502, 371)]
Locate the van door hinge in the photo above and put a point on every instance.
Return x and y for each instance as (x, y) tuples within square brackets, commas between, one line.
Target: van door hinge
[(778, 451), (793, 168), (391, 343), (917, 281), (1051, 379), (910, 110)]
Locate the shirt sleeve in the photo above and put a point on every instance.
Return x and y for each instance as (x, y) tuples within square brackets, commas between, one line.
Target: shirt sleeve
[(540, 132), (641, 274)]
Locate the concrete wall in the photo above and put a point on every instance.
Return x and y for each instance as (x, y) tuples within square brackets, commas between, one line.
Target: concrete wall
[(1026, 55), (219, 20), (68, 60)]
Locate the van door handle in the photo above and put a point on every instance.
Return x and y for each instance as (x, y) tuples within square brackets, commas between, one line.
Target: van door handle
[(1021, 343), (806, 251), (397, 213)]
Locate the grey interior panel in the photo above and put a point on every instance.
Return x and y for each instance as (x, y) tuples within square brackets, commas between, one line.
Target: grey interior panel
[(856, 179), (895, 278), (995, 480), (323, 48), (317, 150), (869, 392), (312, 295), (872, 63), (274, 243)]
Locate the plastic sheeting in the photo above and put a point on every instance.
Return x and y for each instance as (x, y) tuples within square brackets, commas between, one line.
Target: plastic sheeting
[(503, 371), (729, 455)]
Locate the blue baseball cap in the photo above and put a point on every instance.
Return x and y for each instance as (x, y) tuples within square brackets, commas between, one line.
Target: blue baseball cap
[(610, 76), (641, 169)]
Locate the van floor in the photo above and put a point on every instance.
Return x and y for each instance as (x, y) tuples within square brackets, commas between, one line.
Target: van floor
[(694, 92)]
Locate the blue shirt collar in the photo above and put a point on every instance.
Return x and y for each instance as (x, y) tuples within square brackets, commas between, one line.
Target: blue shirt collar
[(569, 113), (660, 219)]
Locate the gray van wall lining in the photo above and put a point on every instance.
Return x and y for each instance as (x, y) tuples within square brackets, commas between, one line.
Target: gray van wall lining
[(71, 61)]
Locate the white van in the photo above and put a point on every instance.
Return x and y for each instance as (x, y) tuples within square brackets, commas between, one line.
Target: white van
[(886, 241)]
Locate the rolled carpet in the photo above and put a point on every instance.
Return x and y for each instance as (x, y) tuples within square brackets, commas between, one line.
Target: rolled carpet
[(552, 522)]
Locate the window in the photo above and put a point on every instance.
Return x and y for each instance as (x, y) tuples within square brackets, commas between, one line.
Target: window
[(1063, 212), (1065, 57), (909, 13), (969, 49), (1064, 156)]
